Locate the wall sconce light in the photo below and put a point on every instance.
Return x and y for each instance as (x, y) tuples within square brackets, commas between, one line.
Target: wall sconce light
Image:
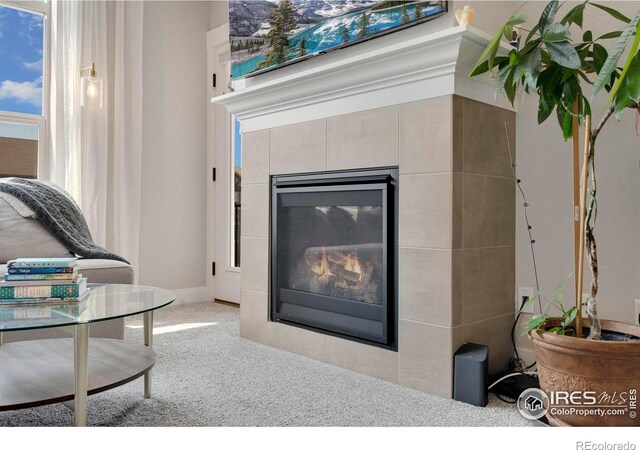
[(91, 88)]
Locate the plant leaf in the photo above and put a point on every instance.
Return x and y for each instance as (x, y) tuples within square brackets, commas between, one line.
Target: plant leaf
[(503, 75), (622, 100), (575, 15), (566, 74), (545, 108), (585, 107), (514, 58), (569, 317), (584, 77), (507, 32), (564, 54), (510, 86), (533, 66), (587, 36), (517, 18), (633, 79), (489, 54), (612, 61), (535, 323), (567, 126), (479, 69), (600, 55), (484, 66), (627, 64), (557, 33), (612, 35), (613, 12), (548, 15), (529, 66)]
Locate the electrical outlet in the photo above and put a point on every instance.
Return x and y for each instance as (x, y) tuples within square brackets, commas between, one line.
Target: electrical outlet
[(524, 294), (636, 318)]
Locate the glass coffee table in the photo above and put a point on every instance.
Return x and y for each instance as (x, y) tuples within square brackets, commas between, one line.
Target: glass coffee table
[(41, 372)]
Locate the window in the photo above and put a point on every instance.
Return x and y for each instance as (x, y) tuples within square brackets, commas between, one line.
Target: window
[(23, 84), (236, 182)]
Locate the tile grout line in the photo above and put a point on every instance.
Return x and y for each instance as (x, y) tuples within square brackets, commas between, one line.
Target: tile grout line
[(495, 247), (462, 216), (419, 174), (490, 318)]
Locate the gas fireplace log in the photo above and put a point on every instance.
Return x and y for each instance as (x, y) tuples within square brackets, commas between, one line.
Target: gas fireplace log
[(345, 274), (337, 257)]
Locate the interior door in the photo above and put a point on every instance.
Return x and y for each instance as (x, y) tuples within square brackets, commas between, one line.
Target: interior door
[(225, 161)]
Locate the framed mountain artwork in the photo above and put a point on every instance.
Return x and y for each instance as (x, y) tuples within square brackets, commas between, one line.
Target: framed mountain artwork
[(266, 34)]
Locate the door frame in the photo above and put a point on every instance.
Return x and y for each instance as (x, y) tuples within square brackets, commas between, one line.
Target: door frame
[(219, 136)]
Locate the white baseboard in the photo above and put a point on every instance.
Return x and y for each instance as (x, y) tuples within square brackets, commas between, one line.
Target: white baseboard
[(191, 295)]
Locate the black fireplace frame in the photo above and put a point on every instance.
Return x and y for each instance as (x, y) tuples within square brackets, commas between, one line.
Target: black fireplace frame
[(386, 181)]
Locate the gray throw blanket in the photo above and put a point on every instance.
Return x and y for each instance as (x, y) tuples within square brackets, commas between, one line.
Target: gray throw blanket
[(59, 214)]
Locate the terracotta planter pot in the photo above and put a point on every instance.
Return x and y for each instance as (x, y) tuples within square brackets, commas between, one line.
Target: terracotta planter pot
[(608, 371)]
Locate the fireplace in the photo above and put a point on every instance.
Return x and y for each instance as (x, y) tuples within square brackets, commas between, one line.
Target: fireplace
[(333, 253)]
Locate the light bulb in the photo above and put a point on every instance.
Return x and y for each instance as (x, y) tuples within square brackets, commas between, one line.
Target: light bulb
[(92, 90)]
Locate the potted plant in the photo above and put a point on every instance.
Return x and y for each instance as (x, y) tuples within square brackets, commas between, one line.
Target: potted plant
[(546, 61)]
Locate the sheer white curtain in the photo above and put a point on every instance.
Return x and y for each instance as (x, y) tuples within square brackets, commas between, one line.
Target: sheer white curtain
[(96, 154)]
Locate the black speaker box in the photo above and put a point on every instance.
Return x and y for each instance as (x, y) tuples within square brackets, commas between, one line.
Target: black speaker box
[(470, 374)]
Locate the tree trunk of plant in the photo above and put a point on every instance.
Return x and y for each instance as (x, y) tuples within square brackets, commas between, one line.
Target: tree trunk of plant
[(592, 249), (589, 225)]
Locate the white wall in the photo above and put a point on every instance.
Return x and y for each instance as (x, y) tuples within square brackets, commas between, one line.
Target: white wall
[(172, 241), (219, 13), (545, 167)]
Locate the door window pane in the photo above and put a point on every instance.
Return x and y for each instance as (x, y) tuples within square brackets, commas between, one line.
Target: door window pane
[(18, 150), (237, 191), (21, 56)]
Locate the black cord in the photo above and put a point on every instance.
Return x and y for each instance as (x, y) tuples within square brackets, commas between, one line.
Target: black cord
[(518, 364)]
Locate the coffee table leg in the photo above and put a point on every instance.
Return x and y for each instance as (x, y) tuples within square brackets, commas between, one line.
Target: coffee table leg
[(148, 341), (81, 377)]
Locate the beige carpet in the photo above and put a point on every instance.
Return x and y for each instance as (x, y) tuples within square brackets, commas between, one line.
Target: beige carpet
[(206, 375)]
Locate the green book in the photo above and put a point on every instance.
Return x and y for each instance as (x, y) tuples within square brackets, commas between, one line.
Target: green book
[(56, 291)]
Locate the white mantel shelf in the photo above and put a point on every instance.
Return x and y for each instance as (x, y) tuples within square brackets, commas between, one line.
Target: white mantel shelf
[(385, 72)]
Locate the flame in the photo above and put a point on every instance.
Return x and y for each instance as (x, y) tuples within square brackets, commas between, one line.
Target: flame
[(352, 264), (321, 267)]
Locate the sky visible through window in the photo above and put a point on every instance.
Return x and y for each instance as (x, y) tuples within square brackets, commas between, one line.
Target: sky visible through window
[(21, 53), (237, 141)]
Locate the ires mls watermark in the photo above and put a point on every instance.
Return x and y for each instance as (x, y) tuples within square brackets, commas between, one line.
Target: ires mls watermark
[(534, 403)]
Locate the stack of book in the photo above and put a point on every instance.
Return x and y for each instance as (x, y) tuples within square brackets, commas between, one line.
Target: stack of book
[(42, 280)]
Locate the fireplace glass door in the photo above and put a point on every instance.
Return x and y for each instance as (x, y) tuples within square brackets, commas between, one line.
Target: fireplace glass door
[(330, 257)]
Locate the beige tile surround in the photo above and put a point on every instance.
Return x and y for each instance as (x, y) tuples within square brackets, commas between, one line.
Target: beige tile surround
[(456, 232)]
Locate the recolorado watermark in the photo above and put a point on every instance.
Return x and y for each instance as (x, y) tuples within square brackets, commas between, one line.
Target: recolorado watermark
[(589, 445), (534, 404)]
